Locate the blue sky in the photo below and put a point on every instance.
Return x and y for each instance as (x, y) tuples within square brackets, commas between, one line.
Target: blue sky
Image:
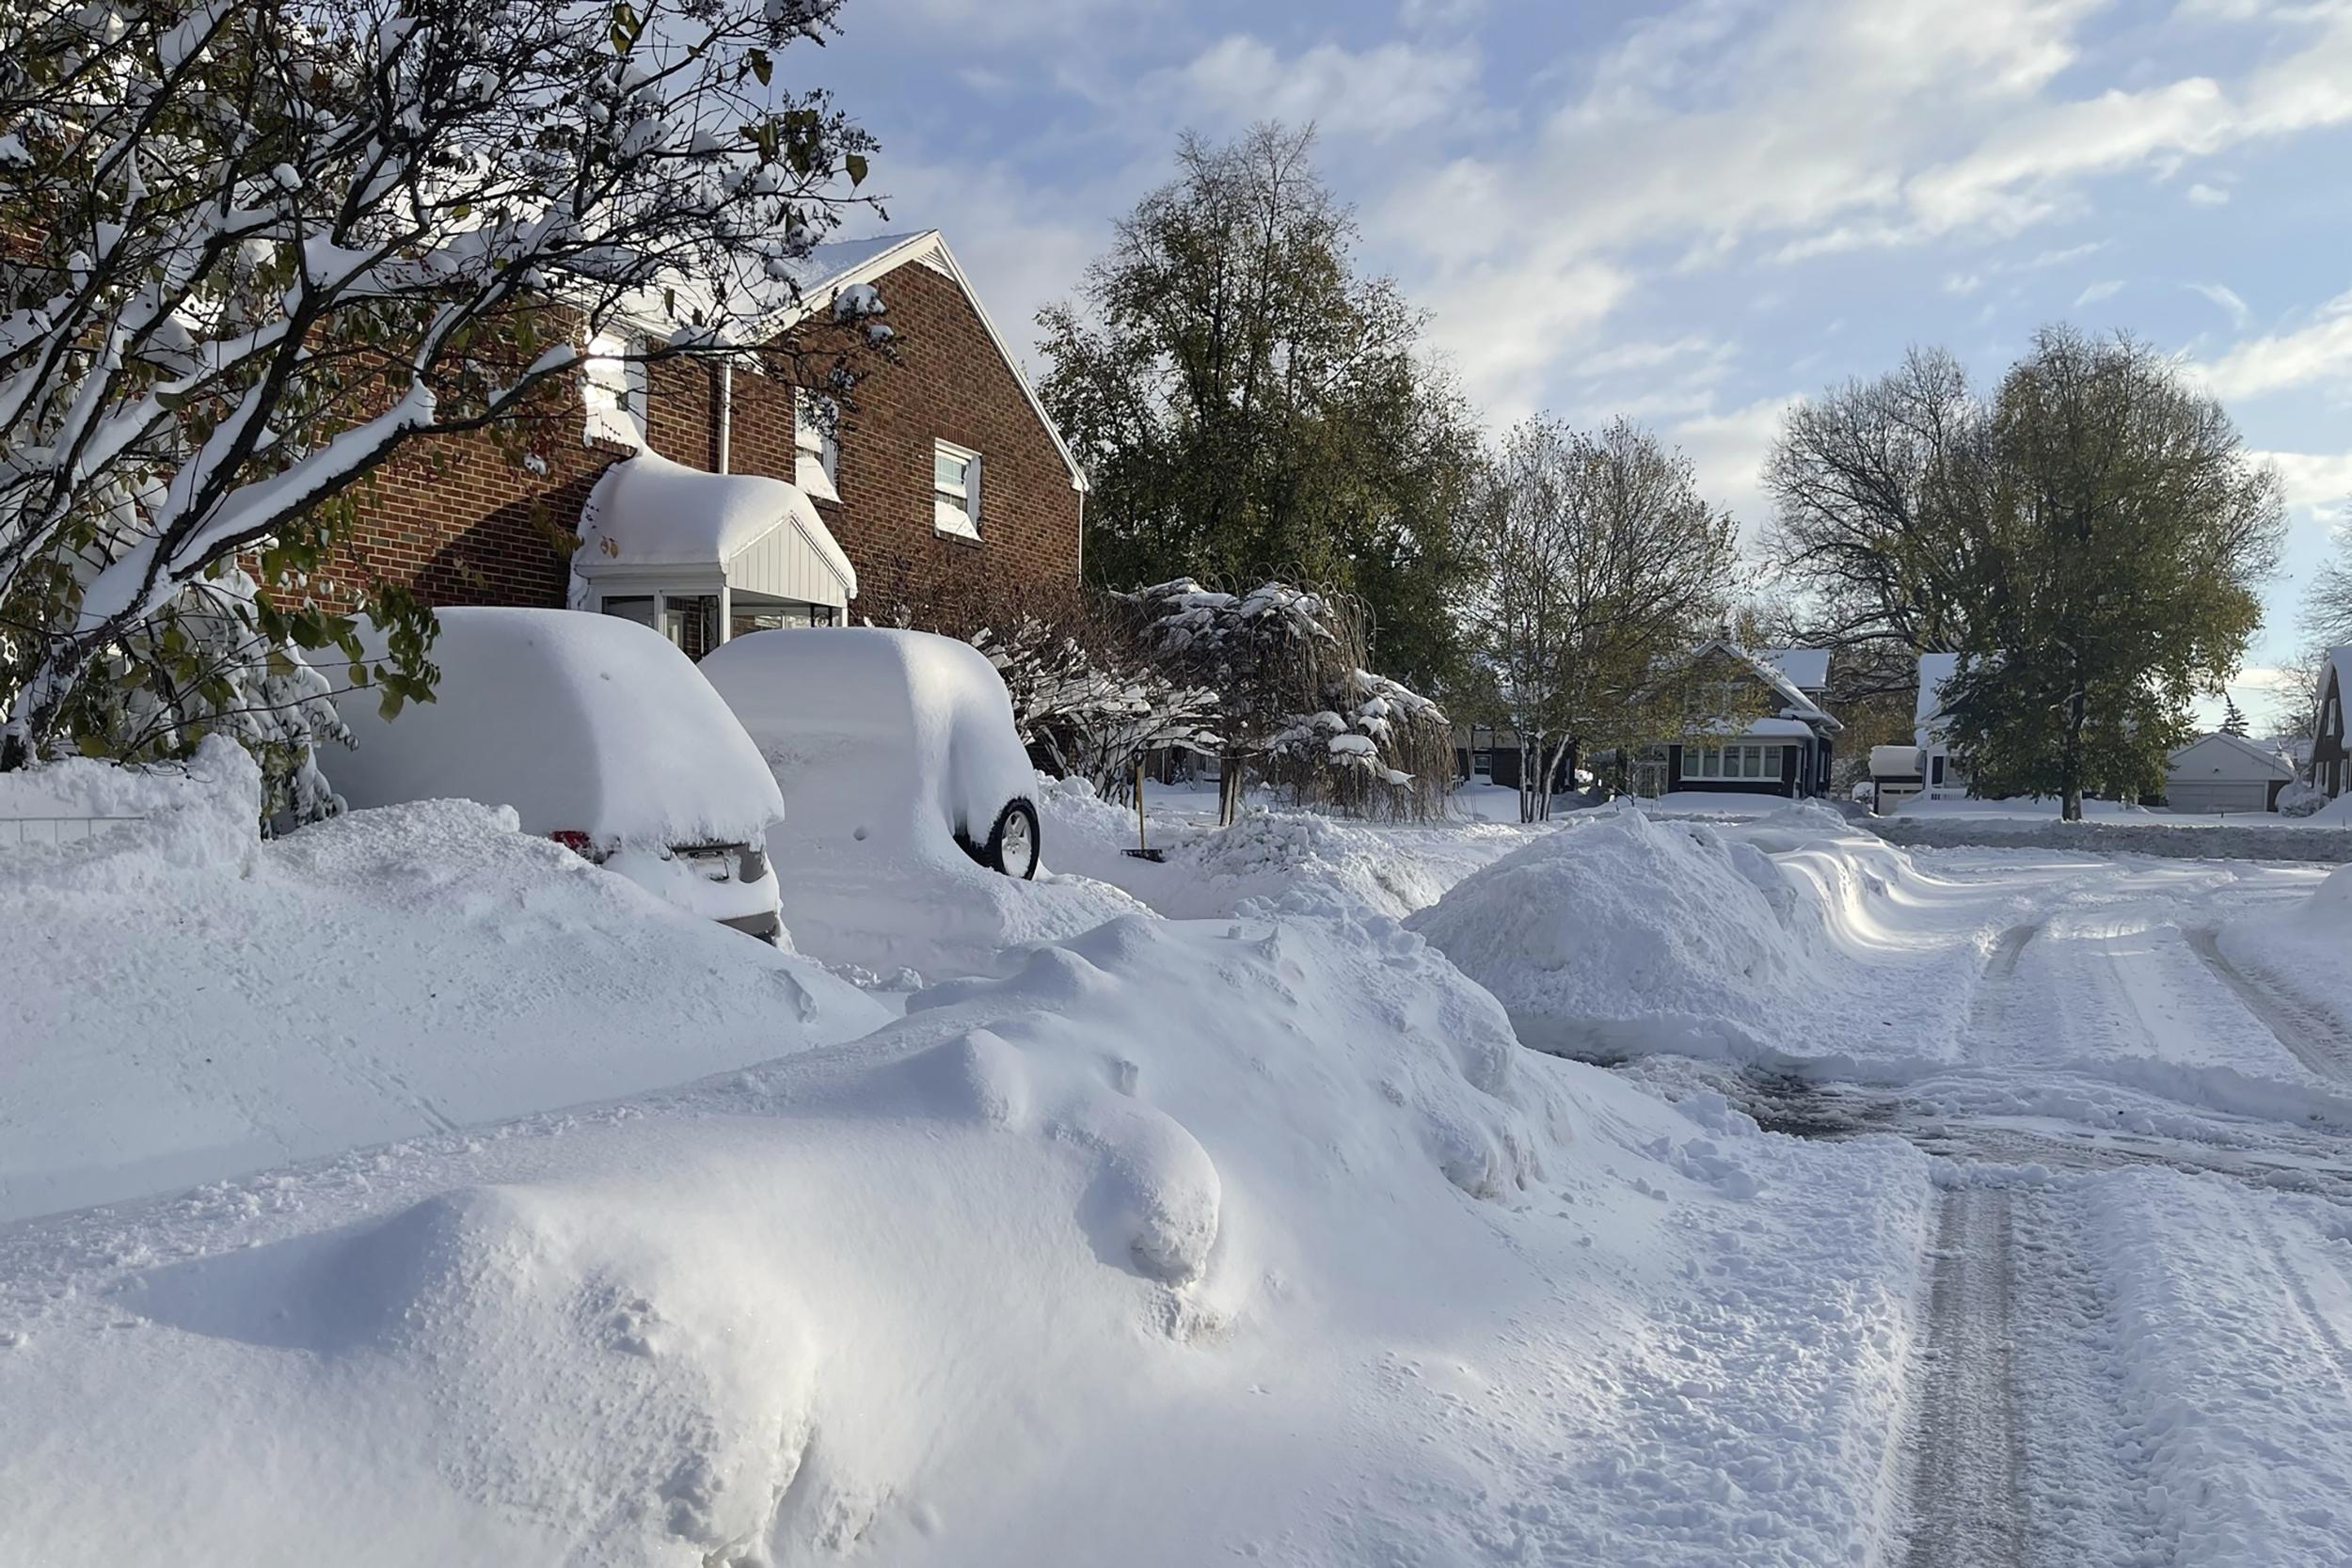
[(1693, 214)]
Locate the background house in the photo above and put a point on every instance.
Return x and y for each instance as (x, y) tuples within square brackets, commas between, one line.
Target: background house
[(2332, 755), (1784, 750), (1940, 775), (2223, 774), (940, 469)]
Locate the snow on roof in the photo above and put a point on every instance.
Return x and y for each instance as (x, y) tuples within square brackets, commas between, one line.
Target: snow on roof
[(1806, 669), (647, 511), (1893, 762), (2269, 760), (1934, 670), (1795, 703)]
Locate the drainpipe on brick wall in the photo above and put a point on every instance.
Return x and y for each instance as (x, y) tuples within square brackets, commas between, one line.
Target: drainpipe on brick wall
[(1082, 538), (727, 413)]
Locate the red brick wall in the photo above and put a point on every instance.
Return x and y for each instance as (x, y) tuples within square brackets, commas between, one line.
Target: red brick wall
[(462, 522)]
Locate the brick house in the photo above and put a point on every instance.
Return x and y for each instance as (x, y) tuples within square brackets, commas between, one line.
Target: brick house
[(708, 501)]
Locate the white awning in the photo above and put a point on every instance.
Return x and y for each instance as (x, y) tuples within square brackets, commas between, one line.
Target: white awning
[(648, 514)]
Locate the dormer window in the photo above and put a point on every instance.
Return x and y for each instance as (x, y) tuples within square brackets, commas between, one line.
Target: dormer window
[(956, 490)]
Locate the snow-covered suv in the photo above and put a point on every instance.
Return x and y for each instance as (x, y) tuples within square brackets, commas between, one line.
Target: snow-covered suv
[(600, 735)]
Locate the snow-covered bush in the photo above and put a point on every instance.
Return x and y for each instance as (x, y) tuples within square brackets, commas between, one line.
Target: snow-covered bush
[(207, 663), (1084, 713), (1297, 707)]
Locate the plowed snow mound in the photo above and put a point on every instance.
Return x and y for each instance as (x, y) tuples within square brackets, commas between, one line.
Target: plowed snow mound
[(1619, 934), (187, 1002)]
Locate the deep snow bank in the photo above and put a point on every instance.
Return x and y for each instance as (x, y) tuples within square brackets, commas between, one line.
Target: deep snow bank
[(185, 1001), (1774, 941), (1339, 866), (2304, 950), (1183, 1241)]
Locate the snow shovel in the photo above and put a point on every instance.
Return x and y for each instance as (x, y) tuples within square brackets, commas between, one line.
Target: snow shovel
[(1143, 851)]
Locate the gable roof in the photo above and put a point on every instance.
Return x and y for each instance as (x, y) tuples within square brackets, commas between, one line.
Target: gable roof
[(1807, 669), (2268, 760), (647, 511), (1795, 703), (829, 268)]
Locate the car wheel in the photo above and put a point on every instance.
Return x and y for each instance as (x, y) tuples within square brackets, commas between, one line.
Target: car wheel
[(1012, 843)]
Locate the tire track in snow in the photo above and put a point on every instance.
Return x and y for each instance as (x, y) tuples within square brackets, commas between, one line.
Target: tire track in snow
[(2306, 1033), (2297, 1280), (1988, 1006), (1964, 1504)]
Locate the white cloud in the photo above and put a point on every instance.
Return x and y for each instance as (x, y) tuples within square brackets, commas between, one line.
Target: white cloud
[(2203, 195), (2319, 484), (2320, 352), (1727, 452), (2106, 288), (1376, 92), (2226, 298)]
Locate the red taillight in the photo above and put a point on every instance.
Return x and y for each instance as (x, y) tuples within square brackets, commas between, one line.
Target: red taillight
[(576, 841)]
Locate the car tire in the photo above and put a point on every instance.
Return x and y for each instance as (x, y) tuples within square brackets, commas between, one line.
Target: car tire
[(1013, 846)]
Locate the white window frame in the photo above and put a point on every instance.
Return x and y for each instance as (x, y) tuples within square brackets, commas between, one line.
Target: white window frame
[(1730, 762), (816, 455), (963, 521), (613, 391)]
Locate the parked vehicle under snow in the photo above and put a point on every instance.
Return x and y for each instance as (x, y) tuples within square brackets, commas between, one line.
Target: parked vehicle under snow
[(899, 741), (600, 735)]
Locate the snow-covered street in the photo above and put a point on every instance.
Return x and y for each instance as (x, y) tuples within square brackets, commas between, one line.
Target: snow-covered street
[(1251, 1232)]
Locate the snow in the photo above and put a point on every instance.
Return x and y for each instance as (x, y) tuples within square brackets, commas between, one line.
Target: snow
[(1165, 1240), (887, 745), (1184, 1241), (2228, 756), (647, 511), (2111, 828), (586, 724), (385, 975)]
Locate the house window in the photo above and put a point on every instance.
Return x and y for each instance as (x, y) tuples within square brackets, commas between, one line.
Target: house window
[(745, 622), (613, 391), (817, 456), (635, 607), (1728, 764), (692, 622), (956, 490)]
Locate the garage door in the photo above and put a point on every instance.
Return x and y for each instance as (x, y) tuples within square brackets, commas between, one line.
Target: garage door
[(2217, 794)]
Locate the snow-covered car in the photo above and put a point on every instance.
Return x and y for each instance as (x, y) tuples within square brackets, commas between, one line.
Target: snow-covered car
[(909, 841), (897, 741), (600, 735)]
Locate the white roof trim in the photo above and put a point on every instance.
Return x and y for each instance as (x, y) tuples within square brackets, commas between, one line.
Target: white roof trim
[(929, 248)]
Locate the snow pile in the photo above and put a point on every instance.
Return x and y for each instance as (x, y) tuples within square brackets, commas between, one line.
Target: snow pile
[(1263, 1234), (2023, 824), (2303, 951), (187, 1000), (1304, 859), (1620, 935)]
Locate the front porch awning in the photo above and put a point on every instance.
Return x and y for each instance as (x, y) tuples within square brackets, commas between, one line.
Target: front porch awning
[(650, 517)]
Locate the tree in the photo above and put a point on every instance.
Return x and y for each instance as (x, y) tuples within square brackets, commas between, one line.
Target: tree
[(1248, 408), (2328, 605), (1878, 489), (2233, 721), (254, 249), (2110, 575), (1600, 566), (1294, 705)]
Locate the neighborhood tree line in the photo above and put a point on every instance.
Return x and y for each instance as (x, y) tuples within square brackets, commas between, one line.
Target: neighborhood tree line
[(253, 251)]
